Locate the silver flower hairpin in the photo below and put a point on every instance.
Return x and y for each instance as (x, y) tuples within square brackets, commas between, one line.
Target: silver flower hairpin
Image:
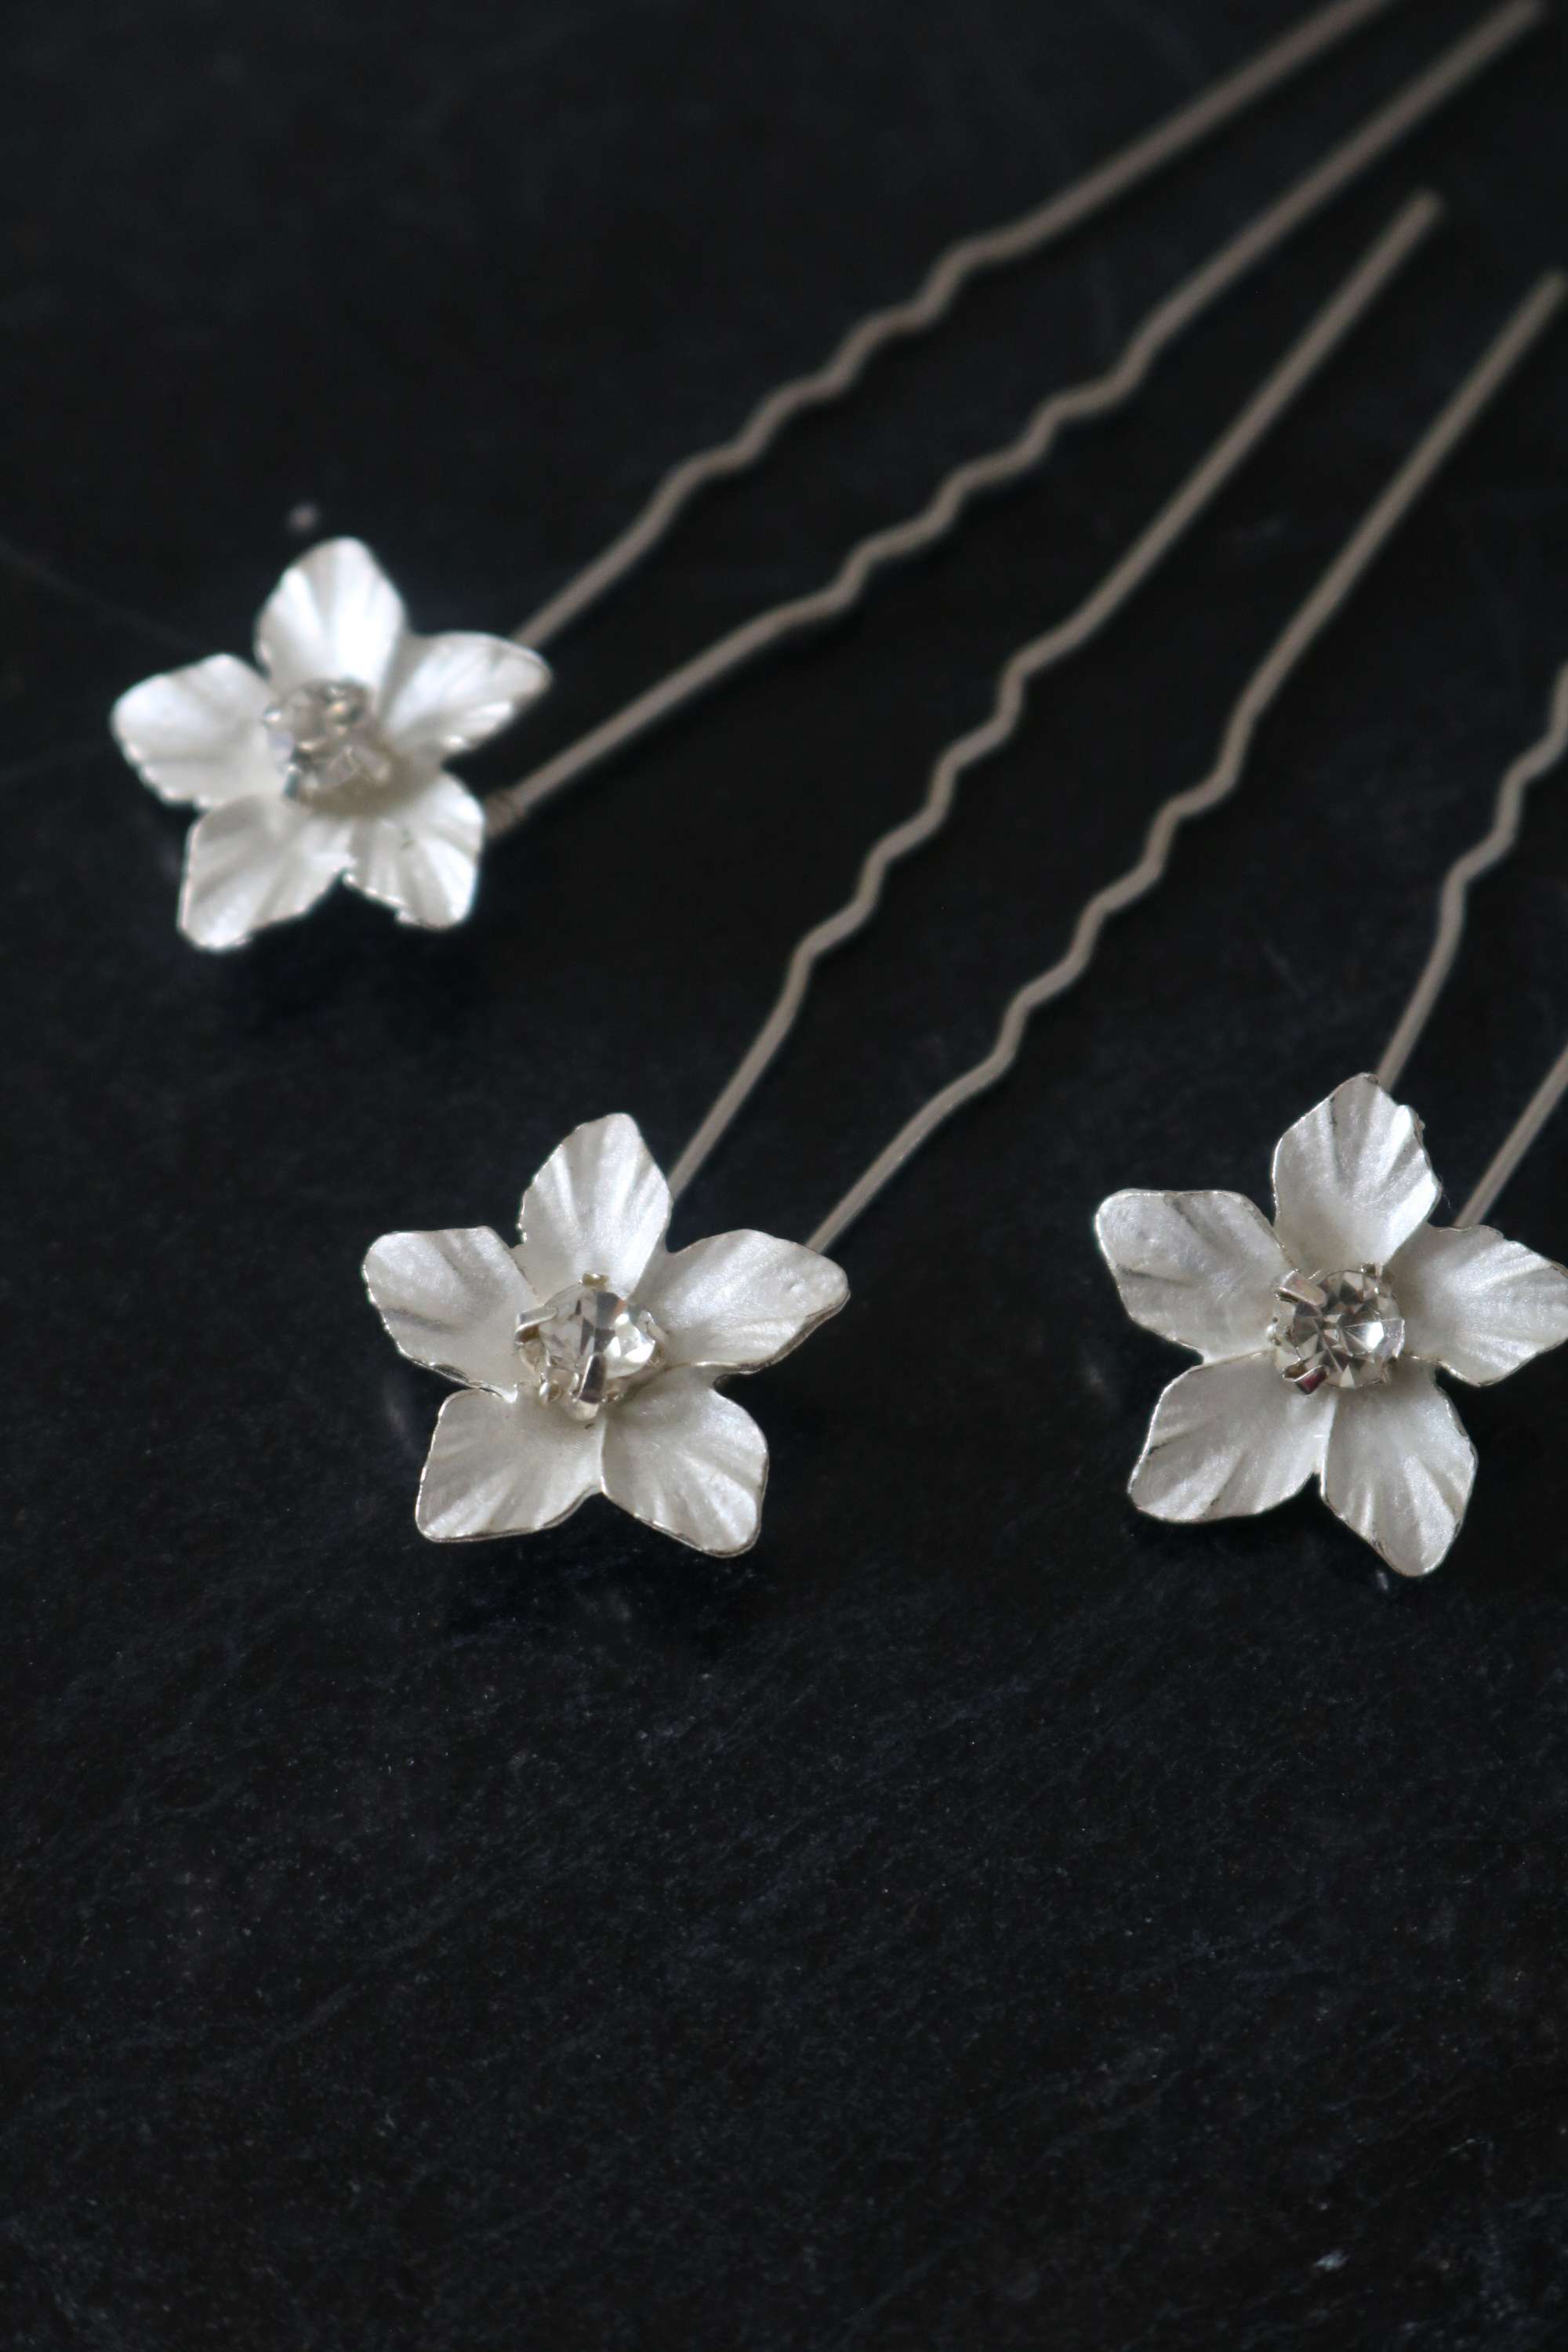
[(590, 1355), (1321, 1335), (333, 738), (326, 763)]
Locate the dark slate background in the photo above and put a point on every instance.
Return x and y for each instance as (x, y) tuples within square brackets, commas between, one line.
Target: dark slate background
[(978, 1918)]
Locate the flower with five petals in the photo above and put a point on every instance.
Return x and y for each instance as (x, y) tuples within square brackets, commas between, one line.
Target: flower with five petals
[(1321, 1334), (589, 1355), (327, 761)]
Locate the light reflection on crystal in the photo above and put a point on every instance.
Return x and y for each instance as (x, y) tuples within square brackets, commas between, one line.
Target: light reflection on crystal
[(1342, 1329), (323, 737), (588, 1346)]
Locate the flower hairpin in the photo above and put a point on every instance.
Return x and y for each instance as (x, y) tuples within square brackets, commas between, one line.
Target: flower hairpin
[(589, 1356), (329, 767), (326, 763), (1321, 1335)]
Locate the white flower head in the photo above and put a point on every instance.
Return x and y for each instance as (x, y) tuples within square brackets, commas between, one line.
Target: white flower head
[(325, 762), (589, 1355), (1321, 1334)]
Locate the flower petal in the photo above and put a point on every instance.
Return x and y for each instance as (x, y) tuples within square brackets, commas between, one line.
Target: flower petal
[(255, 862), (598, 1205), (1476, 1304), (687, 1460), (421, 854), (194, 734), (452, 1301), (451, 692), (742, 1299), (1200, 1268), (334, 614), (1351, 1181), (1400, 1469), (1228, 1439), (497, 1468)]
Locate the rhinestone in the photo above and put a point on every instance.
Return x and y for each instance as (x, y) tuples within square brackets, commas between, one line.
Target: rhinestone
[(1341, 1329), (588, 1346), (325, 739)]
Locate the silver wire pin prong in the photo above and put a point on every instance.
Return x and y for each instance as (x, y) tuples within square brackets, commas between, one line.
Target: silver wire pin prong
[(1323, 338), (1446, 78), (1453, 897), (1463, 410), (1524, 1132), (1069, 209)]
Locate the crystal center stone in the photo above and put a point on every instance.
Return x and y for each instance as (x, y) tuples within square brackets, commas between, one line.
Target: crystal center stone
[(323, 737), (1340, 1328), (588, 1346)]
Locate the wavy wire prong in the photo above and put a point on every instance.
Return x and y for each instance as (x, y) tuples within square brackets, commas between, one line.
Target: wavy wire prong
[(1532, 765), (1377, 270), (1445, 79), (1453, 897), (1463, 410), (1235, 94)]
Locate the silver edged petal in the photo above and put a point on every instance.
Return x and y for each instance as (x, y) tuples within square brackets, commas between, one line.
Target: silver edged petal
[(1200, 1268), (334, 615), (1352, 1180), (420, 856), (452, 1301), (253, 862), (194, 734), (1228, 1439), (688, 1462), (449, 693), (1399, 1469), (740, 1300), (504, 1469), (1477, 1304), (598, 1206)]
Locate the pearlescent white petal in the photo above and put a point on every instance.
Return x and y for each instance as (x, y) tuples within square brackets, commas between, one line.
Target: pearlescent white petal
[(450, 692), (195, 735), (1228, 1439), (687, 1460), (420, 854), (334, 614), (255, 862), (1351, 1181), (1400, 1469), (1476, 1304), (452, 1301), (497, 1468), (742, 1299), (1200, 1268), (598, 1205)]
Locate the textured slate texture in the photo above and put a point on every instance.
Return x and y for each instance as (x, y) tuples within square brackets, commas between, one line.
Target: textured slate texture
[(979, 1918)]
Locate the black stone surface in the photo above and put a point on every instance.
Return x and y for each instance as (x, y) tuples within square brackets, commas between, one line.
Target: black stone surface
[(978, 1918)]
